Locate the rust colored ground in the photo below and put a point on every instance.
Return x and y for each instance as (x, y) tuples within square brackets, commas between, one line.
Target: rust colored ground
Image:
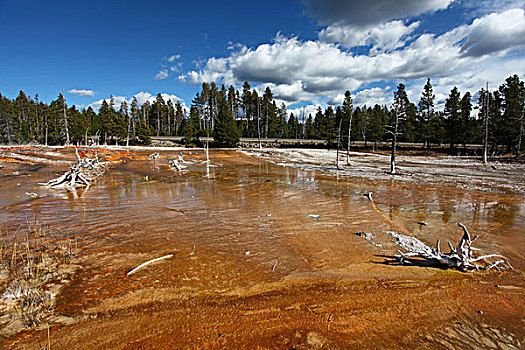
[(228, 225)]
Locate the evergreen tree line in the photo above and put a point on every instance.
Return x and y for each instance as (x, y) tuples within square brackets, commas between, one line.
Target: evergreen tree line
[(228, 114)]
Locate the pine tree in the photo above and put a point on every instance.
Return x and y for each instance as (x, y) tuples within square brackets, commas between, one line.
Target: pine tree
[(226, 133), (453, 119), (511, 122), (143, 132), (90, 117), (438, 133), (468, 126), (189, 128), (159, 107), (246, 100), (120, 129), (78, 125), (376, 124), (104, 122), (485, 101), (179, 116), (6, 120), (268, 113), (309, 128), (290, 127), (426, 112)]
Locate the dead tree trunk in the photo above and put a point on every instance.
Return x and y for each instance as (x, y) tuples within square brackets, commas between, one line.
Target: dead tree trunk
[(127, 135), (486, 128), (259, 123), (394, 145), (348, 143)]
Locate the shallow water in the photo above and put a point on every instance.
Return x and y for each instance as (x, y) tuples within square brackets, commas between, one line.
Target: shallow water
[(242, 204)]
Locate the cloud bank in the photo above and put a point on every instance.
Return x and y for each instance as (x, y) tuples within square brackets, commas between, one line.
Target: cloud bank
[(142, 97)]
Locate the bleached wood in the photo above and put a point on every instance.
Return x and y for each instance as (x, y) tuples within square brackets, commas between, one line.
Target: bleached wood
[(148, 263), (460, 257)]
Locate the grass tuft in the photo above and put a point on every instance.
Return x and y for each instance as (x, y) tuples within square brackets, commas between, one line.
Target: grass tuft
[(30, 259)]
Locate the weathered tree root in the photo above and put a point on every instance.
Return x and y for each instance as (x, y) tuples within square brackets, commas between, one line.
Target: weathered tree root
[(461, 257), (80, 174)]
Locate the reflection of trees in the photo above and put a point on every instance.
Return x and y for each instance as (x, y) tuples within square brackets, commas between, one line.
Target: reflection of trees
[(503, 211), (240, 186), (446, 205)]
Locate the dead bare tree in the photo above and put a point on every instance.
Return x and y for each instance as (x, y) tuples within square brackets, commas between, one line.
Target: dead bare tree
[(348, 108), (399, 112), (394, 131), (338, 141)]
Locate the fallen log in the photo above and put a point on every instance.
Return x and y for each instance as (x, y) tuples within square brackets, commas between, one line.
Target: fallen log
[(460, 257)]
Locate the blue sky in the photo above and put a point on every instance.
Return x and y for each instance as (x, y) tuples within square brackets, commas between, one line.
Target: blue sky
[(309, 52)]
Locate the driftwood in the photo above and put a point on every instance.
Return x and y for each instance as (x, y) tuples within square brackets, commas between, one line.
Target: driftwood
[(148, 263), (80, 174), (460, 257), (174, 164), (369, 237)]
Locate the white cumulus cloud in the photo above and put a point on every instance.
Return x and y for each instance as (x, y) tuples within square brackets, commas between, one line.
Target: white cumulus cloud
[(495, 32), (81, 92), (384, 37)]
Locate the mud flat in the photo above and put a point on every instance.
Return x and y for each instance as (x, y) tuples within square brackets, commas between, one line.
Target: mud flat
[(264, 251)]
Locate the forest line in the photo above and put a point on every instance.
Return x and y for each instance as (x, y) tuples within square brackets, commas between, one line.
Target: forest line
[(228, 114)]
